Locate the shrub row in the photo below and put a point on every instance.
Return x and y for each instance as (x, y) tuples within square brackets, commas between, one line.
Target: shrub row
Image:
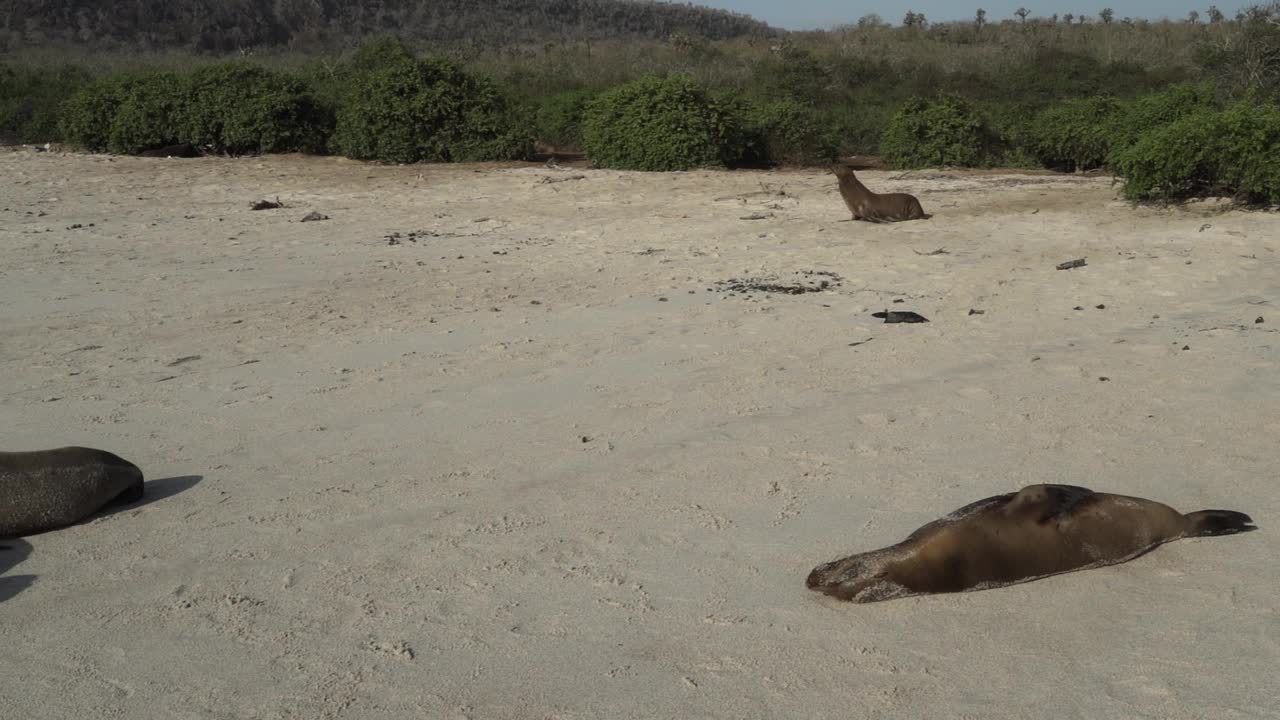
[(1232, 152), (672, 123), (232, 107), (30, 100), (403, 108), (385, 103), (1171, 145)]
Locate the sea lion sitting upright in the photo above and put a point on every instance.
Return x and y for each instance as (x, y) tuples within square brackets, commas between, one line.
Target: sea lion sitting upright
[(47, 489), (1040, 530), (872, 207)]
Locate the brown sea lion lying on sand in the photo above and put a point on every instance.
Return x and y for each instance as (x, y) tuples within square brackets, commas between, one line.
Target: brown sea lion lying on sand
[(1038, 531)]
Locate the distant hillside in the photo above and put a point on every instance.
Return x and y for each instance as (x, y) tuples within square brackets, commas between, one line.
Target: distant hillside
[(229, 25)]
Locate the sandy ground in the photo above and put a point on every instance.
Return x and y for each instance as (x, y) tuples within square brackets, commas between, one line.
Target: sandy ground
[(532, 462)]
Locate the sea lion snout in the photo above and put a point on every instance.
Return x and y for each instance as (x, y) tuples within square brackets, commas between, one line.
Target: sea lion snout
[(818, 576), (845, 578), (134, 492)]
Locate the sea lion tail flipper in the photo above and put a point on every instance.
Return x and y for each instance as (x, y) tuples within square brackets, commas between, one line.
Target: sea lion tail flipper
[(1206, 523)]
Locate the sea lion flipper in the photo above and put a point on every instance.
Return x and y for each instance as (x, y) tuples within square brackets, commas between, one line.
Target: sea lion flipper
[(1206, 523), (1047, 502)]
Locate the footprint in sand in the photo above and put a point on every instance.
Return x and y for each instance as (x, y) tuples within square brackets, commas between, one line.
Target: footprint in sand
[(1138, 689), (1065, 370), (864, 449), (976, 393), (923, 413), (877, 420)]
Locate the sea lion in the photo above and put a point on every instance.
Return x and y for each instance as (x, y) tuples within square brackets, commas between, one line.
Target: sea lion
[(183, 150), (48, 489), (869, 206), (1040, 530)]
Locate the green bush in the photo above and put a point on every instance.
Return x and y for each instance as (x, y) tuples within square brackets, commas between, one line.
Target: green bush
[(30, 98), (558, 119), (856, 129), (231, 107), (1173, 161), (237, 107), (1053, 74), (1249, 164), (935, 133), (661, 123), (786, 132), (1134, 120), (1233, 152), (85, 118), (1010, 125), (146, 116), (377, 53), (403, 109), (794, 75), (1073, 135)]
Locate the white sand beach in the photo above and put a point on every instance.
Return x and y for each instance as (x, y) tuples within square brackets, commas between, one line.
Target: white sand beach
[(531, 459)]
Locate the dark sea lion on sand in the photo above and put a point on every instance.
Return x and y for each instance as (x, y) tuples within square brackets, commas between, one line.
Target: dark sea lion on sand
[(47, 489), (873, 207), (1038, 531), (184, 150)]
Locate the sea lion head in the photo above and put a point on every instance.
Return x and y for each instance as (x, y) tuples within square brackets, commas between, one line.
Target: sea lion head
[(866, 577), (841, 170)]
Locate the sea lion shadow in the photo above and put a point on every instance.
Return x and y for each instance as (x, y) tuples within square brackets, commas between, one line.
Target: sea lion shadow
[(154, 491), (12, 553)]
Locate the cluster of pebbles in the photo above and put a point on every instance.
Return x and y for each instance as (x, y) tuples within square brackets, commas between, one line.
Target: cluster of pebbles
[(799, 283)]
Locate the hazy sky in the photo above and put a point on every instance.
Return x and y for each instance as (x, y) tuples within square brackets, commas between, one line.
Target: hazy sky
[(802, 14)]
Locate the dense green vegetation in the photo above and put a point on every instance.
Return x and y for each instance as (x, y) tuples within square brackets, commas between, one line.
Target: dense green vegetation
[(402, 108), (1177, 109), (30, 98), (1074, 135), (323, 25), (231, 107), (1232, 152), (937, 133), (236, 107), (661, 123)]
